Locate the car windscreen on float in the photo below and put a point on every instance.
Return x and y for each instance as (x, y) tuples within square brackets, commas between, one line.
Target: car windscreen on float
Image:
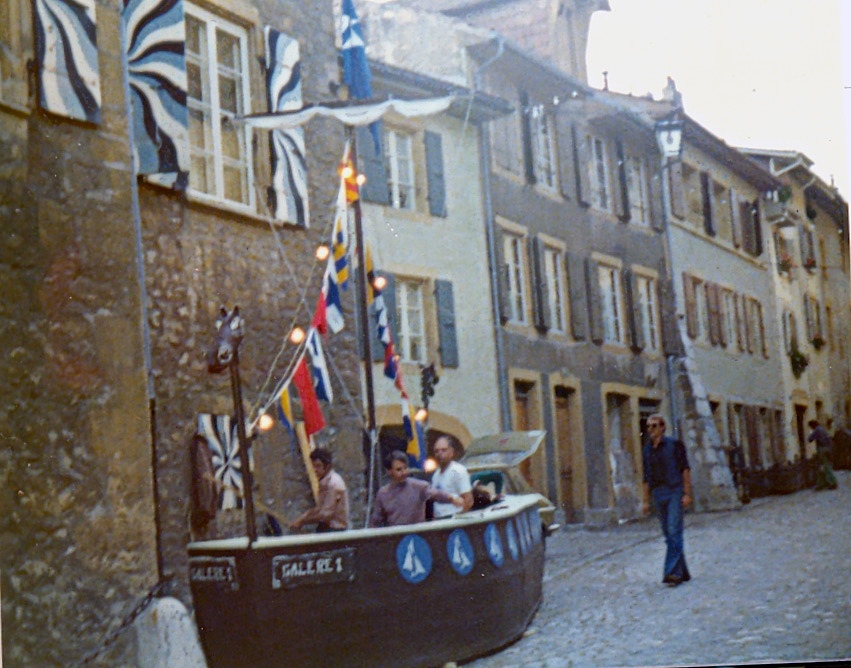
[(501, 451)]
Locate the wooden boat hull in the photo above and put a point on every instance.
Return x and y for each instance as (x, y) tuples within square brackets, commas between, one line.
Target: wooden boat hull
[(419, 595)]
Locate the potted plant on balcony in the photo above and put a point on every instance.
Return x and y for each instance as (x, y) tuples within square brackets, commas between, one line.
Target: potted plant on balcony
[(810, 264), (798, 360), (818, 342), (784, 262)]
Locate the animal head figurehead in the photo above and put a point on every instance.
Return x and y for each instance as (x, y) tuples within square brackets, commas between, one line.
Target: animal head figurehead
[(229, 334)]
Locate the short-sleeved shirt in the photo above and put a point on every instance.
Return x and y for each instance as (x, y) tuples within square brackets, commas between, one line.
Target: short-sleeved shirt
[(664, 465), (332, 505), (404, 503), (454, 480)]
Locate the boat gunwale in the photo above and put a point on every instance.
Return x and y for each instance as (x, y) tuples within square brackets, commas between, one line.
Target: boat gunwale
[(508, 507)]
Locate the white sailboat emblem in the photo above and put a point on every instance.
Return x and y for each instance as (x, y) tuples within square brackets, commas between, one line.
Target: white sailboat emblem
[(459, 556), (412, 564)]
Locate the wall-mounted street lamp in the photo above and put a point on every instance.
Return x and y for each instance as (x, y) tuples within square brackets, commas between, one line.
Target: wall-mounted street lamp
[(669, 136)]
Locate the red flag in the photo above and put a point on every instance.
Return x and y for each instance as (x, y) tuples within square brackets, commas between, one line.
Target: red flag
[(312, 413), (320, 318)]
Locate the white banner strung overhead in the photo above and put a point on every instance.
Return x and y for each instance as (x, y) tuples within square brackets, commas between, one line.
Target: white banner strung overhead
[(353, 114)]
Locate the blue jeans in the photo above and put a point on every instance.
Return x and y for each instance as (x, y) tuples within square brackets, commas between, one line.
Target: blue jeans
[(669, 505)]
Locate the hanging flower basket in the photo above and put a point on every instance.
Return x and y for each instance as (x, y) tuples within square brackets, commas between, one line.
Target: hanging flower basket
[(799, 361), (784, 194), (784, 262)]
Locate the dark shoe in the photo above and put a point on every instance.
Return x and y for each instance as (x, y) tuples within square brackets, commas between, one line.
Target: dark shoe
[(672, 580)]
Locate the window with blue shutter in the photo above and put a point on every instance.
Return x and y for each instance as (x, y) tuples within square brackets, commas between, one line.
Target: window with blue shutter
[(434, 174), (446, 323), (373, 168)]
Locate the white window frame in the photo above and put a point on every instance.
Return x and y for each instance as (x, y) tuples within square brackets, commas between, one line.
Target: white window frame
[(212, 153), (399, 162), (544, 163), (599, 174), (554, 274), (515, 259), (649, 311), (410, 321), (612, 305), (637, 190)]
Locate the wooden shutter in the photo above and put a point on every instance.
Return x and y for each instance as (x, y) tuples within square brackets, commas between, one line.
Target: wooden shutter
[(757, 229), (706, 194), (671, 340), (578, 296), (595, 307), (714, 310), (657, 203), (526, 136), (741, 322), (808, 311), (580, 158), (372, 165), (636, 321), (677, 186), (566, 156), (446, 327), (731, 425), (503, 279), (691, 305), (620, 198), (434, 174), (540, 293), (747, 305), (736, 218), (761, 325)]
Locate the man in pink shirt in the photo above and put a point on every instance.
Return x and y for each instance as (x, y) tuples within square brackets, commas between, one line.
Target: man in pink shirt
[(403, 500), (331, 512)]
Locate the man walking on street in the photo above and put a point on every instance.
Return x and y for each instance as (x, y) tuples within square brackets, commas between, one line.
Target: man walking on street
[(667, 477), (824, 450), (451, 477)]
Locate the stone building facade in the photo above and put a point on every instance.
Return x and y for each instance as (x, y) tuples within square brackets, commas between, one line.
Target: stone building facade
[(113, 282)]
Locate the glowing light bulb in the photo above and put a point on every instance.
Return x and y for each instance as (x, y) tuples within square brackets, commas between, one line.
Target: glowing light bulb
[(266, 422), (322, 252), (297, 335), (430, 465), (361, 179), (421, 415), (347, 172), (379, 283)]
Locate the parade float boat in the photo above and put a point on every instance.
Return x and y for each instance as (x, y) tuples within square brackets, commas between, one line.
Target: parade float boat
[(419, 595)]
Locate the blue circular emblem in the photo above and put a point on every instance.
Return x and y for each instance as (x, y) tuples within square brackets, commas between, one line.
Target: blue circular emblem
[(511, 539), (413, 557), (493, 544), (460, 552)]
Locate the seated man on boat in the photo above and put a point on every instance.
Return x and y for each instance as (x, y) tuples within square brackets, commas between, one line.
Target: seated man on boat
[(451, 477), (331, 512), (403, 500)]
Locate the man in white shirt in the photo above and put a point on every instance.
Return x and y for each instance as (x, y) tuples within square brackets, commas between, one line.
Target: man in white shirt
[(450, 477)]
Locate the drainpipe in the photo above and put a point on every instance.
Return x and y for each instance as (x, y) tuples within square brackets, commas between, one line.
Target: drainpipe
[(487, 202), (670, 359)]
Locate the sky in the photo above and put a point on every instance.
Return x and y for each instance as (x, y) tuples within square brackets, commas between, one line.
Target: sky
[(756, 73)]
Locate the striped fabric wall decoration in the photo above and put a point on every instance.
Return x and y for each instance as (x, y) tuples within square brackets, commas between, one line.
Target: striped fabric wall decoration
[(67, 58), (288, 192), (155, 41)]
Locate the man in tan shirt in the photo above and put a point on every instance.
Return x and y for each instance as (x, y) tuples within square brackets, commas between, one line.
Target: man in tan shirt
[(331, 512)]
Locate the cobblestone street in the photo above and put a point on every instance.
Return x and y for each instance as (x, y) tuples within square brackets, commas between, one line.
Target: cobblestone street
[(771, 582)]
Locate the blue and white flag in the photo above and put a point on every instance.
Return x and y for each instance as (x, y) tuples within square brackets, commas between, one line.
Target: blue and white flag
[(321, 377), (331, 293), (355, 66)]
